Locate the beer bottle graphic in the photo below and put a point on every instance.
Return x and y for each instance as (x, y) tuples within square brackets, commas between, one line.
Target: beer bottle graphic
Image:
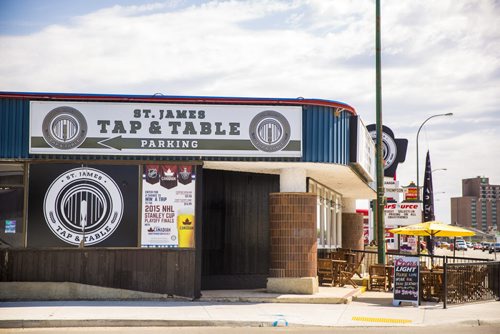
[(185, 228)]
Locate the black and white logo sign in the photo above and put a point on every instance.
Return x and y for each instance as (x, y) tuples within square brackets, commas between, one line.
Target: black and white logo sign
[(389, 149), (83, 203), (269, 131), (393, 149), (64, 128)]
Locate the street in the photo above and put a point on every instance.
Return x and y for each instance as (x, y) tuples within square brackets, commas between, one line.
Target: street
[(472, 253), (244, 330)]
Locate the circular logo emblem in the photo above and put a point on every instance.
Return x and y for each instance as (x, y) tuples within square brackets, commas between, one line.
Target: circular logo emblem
[(269, 131), (64, 128), (83, 203), (389, 148)]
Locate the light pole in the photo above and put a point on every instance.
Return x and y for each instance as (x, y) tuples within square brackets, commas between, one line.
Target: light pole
[(379, 149), (418, 133)]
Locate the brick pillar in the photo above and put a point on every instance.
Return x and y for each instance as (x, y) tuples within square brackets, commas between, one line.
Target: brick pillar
[(352, 231), (293, 248)]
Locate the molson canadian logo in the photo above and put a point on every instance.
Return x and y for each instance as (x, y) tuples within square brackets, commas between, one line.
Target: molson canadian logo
[(64, 128), (83, 204), (269, 131)]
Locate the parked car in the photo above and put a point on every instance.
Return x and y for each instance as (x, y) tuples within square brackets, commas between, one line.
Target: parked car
[(460, 245), (477, 245), (405, 247), (469, 244), (495, 247), (486, 246), (445, 245)]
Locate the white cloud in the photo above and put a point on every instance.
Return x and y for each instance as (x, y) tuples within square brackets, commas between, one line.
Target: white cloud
[(438, 57)]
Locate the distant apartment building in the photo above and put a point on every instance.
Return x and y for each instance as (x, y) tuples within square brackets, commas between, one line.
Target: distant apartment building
[(478, 206)]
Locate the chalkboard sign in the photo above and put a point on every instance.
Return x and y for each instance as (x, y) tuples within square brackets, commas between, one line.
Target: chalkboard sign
[(406, 278)]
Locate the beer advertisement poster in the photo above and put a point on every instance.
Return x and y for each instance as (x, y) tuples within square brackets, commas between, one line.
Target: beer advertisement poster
[(75, 205), (168, 193), (406, 278)]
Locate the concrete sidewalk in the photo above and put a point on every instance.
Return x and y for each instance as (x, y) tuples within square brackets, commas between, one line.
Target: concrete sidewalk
[(368, 309)]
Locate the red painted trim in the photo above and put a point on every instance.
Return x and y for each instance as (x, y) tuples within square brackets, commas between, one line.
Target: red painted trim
[(179, 99)]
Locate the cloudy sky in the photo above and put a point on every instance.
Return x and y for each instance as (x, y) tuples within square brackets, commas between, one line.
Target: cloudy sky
[(437, 57)]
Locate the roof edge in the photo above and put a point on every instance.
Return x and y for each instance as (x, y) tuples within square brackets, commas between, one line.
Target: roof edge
[(177, 99)]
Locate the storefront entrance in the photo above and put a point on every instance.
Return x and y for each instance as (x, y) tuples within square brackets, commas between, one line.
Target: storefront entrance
[(236, 229)]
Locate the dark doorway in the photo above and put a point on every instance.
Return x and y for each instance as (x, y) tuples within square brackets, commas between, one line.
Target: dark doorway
[(236, 229)]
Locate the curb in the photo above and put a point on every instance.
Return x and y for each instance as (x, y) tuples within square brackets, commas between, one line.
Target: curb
[(18, 324), (291, 300)]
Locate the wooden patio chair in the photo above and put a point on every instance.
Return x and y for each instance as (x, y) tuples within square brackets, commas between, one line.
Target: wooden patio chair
[(453, 287), (347, 275), (325, 271), (475, 284), (437, 290), (378, 279), (425, 285), (358, 264)]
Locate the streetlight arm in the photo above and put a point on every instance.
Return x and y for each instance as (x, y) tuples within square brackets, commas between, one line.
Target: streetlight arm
[(418, 133), (438, 169)]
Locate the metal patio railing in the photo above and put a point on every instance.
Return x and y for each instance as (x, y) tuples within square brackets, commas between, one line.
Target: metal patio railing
[(463, 279), (471, 282)]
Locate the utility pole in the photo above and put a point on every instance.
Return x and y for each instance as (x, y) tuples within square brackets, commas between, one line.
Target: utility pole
[(379, 148)]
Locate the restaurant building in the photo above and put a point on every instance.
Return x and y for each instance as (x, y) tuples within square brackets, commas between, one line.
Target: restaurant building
[(172, 194)]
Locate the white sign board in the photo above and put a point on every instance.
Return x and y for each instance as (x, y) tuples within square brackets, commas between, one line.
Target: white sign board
[(401, 214), (365, 151), (114, 128), (392, 188)]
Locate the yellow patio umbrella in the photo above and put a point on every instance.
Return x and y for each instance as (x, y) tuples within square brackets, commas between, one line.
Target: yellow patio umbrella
[(433, 229)]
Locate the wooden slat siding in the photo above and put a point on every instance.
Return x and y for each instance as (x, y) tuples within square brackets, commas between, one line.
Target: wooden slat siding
[(167, 271), (121, 271), (5, 265), (198, 230), (235, 229), (43, 271)]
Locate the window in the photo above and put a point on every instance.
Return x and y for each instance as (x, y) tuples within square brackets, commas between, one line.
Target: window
[(11, 205), (329, 215)]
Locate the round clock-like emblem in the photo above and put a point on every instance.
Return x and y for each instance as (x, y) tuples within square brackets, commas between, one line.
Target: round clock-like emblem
[(269, 131), (83, 204), (64, 128), (389, 148)]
